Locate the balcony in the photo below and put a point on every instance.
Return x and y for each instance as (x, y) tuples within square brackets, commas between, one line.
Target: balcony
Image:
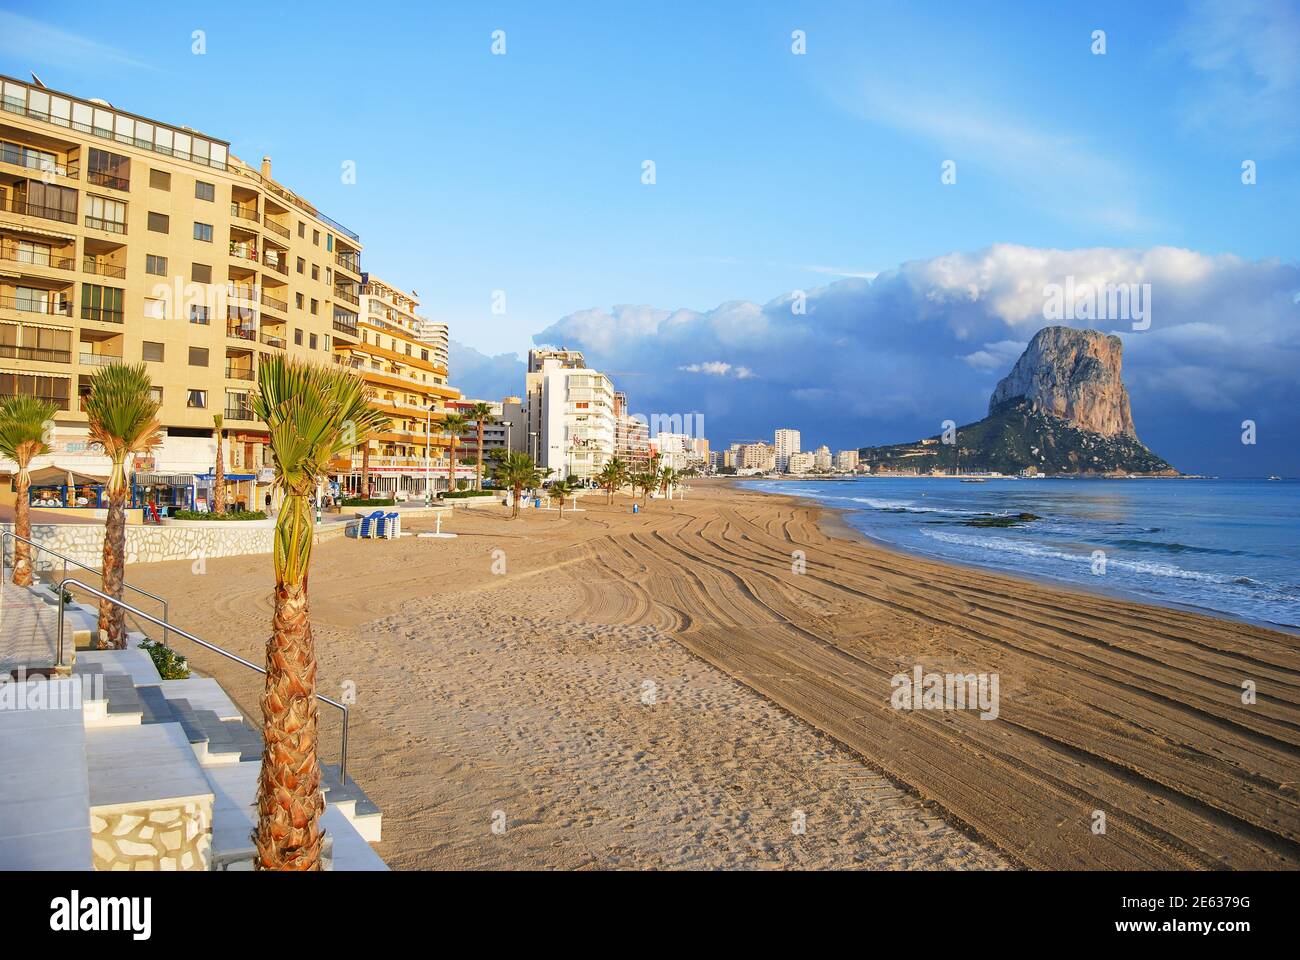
[(25, 209), (345, 322), (102, 314), (278, 264), (35, 353), (91, 265), (11, 154), (349, 261), (35, 258), (237, 411), (99, 359), (108, 226), (237, 372), (273, 341), (344, 295), (244, 251), (52, 307), (275, 227), (242, 331), (101, 179), (270, 301), (244, 213)]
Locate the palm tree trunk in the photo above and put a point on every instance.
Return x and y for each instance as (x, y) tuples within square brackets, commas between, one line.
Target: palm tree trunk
[(519, 492), (112, 618), (365, 471), (451, 465), (289, 798), (478, 480), (219, 478), (23, 527)]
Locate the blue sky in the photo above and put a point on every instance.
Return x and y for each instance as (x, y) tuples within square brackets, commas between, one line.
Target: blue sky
[(775, 172)]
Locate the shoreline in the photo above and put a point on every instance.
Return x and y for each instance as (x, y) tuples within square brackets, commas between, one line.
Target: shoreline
[(524, 692), (836, 517)]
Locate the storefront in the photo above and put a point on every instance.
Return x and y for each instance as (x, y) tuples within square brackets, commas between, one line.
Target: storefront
[(166, 492), (58, 487), (241, 491)]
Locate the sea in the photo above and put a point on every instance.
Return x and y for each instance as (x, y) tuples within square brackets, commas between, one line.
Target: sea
[(1226, 547)]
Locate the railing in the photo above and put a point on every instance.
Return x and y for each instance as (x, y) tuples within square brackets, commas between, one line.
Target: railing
[(274, 304), (104, 314), (351, 298), (36, 258), (108, 226), (19, 159), (28, 305), (343, 326), (241, 332), (26, 209), (35, 353), (235, 373), (90, 265), (343, 749), (100, 359), (348, 263), (244, 252), (275, 227), (11, 535), (279, 266), (244, 213), (273, 341), (239, 413), (99, 178)]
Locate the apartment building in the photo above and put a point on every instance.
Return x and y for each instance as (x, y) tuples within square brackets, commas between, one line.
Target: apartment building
[(631, 437), (438, 336), (846, 461), (681, 451), (757, 457), (409, 387), (822, 459), (533, 379), (576, 407), (799, 463), (497, 430), (123, 239), (787, 442)]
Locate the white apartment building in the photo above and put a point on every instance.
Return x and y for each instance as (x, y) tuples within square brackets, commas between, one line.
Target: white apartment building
[(846, 461), (799, 463), (787, 442), (822, 458), (674, 450), (576, 417), (437, 336)]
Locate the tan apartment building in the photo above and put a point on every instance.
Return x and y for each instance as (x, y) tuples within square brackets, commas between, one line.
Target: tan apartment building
[(123, 239), (410, 387)]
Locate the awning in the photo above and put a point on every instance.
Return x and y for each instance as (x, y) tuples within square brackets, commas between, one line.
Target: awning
[(55, 475), (164, 479), (209, 477)]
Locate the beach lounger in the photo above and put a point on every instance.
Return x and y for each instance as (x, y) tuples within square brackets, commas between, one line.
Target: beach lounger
[(381, 524), (394, 525)]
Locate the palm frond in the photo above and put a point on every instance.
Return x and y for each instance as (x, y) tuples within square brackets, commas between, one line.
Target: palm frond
[(122, 412), (24, 427)]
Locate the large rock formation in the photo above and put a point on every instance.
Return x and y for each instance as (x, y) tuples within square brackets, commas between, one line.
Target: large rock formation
[(1075, 376), (1063, 409)]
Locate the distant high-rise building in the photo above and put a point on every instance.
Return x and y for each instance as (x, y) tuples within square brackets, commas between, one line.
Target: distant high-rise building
[(787, 442), (800, 463), (846, 461), (822, 458)]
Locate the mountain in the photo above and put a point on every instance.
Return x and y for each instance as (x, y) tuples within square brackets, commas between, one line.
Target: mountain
[(1062, 409)]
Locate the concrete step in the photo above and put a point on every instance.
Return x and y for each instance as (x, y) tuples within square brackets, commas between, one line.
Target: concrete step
[(350, 800), (44, 788)]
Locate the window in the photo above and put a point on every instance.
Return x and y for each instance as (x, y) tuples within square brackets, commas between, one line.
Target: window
[(315, 272), (200, 273), (160, 179), (314, 304), (155, 309), (312, 341), (155, 265), (155, 394), (329, 242), (152, 351), (329, 275), (424, 354), (301, 263), (101, 303), (205, 191), (302, 229), (105, 214), (35, 385), (199, 358), (297, 300), (315, 238), (109, 170), (203, 231), (199, 314), (327, 343), (297, 337), (196, 398), (158, 223)]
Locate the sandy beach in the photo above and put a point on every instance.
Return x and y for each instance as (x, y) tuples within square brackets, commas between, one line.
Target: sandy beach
[(670, 690)]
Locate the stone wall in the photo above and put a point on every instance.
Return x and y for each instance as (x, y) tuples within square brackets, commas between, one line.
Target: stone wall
[(84, 542), (168, 835)]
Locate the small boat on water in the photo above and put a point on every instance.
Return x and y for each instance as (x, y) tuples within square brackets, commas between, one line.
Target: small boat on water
[(1274, 477), (973, 480)]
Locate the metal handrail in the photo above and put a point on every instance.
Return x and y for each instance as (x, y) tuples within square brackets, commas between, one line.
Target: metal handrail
[(343, 750), (10, 534)]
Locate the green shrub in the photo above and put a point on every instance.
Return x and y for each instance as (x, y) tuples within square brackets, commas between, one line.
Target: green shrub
[(231, 515), (469, 493), (171, 665), (358, 502)]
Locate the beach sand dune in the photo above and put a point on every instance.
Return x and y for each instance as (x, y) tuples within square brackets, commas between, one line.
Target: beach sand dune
[(666, 690)]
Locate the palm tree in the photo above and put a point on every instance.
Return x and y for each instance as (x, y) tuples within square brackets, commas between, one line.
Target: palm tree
[(480, 413), (453, 425), (312, 413), (123, 419), (612, 476), (559, 489), (645, 482), (365, 470), (219, 474), (516, 471), (24, 426), (667, 478)]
